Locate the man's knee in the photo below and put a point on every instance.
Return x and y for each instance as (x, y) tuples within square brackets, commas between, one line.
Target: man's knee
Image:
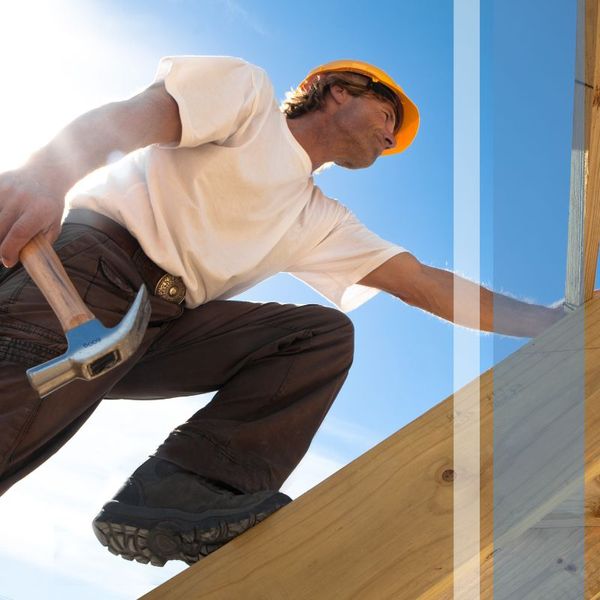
[(333, 318), (342, 323), (334, 323)]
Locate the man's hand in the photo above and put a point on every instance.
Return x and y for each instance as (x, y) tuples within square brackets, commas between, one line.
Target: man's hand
[(29, 204)]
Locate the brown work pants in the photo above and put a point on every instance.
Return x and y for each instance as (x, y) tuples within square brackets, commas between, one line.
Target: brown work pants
[(276, 369)]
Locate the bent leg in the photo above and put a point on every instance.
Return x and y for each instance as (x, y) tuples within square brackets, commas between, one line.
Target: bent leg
[(278, 369)]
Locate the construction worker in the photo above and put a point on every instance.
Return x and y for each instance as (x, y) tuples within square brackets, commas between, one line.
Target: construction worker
[(212, 194)]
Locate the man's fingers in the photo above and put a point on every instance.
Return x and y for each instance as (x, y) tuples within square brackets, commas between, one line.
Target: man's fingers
[(52, 234), (7, 219), (22, 231), (17, 237), (27, 207)]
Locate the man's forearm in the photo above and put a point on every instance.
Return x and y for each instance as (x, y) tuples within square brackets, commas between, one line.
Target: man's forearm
[(88, 142), (513, 317), (455, 299), (81, 147), (459, 300)]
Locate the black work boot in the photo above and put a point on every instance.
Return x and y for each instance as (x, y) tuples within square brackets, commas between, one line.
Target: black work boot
[(164, 512)]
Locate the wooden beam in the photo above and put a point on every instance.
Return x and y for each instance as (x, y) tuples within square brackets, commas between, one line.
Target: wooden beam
[(582, 251), (591, 238), (574, 284), (382, 527), (592, 130)]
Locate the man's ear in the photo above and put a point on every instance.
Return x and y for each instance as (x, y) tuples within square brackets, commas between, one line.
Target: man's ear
[(339, 94)]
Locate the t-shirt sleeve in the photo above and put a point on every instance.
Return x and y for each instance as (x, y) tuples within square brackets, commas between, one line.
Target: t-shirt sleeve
[(217, 96), (347, 254)]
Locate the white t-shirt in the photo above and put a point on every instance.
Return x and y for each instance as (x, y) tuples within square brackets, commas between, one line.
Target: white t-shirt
[(235, 202)]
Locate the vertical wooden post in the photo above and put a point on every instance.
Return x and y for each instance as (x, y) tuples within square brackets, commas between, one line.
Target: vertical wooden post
[(591, 239), (584, 218), (592, 134)]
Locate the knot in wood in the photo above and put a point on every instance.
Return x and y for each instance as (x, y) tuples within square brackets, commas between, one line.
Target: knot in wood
[(448, 475)]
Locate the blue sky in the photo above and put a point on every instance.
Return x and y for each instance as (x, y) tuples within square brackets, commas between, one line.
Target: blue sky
[(62, 57)]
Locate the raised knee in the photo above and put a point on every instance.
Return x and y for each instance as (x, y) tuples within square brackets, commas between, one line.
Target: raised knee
[(342, 322), (335, 322)]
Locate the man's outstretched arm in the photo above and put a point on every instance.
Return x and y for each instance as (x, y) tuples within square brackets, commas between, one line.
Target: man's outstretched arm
[(433, 290), (32, 196)]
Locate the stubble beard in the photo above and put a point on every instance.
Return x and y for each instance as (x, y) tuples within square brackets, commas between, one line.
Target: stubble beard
[(358, 160)]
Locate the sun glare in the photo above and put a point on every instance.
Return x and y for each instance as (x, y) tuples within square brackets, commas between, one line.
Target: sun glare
[(33, 40), (50, 52)]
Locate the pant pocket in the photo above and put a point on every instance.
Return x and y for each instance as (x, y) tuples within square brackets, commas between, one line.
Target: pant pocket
[(110, 292), (28, 345)]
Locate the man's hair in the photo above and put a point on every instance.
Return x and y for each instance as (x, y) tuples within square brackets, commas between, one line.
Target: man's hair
[(302, 101)]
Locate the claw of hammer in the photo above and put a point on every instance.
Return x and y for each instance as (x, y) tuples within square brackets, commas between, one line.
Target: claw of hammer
[(92, 349)]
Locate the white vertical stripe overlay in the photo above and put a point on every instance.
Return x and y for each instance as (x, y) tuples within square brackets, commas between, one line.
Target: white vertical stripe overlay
[(466, 343)]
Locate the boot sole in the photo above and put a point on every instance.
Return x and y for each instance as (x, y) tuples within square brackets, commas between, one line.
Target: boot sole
[(156, 536)]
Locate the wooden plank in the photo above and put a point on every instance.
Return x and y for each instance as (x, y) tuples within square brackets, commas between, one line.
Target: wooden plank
[(592, 452), (382, 527), (592, 537), (557, 558), (574, 286), (582, 250), (592, 131), (542, 563)]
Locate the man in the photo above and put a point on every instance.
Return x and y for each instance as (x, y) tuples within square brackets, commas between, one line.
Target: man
[(213, 194)]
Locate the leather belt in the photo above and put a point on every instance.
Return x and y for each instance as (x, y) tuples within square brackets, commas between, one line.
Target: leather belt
[(161, 284)]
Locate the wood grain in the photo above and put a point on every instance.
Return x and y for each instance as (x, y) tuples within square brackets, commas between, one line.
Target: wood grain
[(592, 135), (382, 527)]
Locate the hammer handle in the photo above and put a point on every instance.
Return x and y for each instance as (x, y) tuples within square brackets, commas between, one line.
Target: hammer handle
[(44, 267)]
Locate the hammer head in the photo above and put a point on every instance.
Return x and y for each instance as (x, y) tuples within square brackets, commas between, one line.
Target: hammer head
[(93, 349)]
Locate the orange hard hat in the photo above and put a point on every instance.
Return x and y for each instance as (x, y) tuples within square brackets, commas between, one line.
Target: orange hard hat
[(410, 123)]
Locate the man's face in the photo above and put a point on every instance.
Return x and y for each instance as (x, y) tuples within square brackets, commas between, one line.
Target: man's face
[(365, 128)]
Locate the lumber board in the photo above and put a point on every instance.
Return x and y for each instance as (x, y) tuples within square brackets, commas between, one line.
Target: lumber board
[(542, 563), (382, 527), (592, 133), (556, 558), (574, 285), (582, 250), (592, 453)]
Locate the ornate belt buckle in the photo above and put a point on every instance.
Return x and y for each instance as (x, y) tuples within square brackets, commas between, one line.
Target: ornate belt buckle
[(170, 288)]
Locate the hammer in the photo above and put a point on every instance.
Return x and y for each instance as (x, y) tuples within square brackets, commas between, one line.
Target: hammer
[(92, 349)]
